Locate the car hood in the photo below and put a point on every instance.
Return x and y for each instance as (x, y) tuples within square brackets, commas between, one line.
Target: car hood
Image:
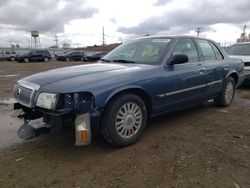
[(243, 58), (87, 77)]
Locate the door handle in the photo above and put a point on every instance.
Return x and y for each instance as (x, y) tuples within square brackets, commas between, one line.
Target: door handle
[(202, 70), (225, 67)]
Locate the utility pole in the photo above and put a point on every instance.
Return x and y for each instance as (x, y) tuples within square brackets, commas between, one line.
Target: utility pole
[(103, 36), (198, 31), (56, 40), (244, 29)]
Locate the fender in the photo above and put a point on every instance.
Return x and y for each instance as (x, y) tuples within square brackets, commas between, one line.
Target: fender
[(118, 90), (231, 72)]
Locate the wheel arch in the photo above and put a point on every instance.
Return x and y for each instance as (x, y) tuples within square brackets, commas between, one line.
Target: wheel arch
[(140, 92), (234, 75)]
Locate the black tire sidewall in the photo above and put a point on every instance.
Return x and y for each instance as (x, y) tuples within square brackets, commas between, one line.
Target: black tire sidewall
[(111, 134), (221, 100)]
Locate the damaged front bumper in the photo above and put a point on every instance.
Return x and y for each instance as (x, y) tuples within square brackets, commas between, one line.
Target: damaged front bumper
[(37, 122)]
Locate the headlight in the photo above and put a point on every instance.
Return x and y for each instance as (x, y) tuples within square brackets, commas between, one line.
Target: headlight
[(47, 100)]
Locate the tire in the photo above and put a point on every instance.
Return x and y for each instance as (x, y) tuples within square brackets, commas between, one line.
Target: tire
[(46, 59), (120, 126), (12, 59), (26, 60), (226, 96)]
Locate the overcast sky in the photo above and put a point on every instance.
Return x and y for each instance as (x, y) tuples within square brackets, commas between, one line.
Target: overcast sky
[(80, 22)]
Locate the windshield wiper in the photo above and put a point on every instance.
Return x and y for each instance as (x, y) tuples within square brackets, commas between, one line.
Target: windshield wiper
[(123, 61), (105, 60)]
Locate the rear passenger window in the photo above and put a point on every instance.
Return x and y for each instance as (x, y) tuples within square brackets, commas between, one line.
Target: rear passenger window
[(217, 52), (207, 50), (186, 47)]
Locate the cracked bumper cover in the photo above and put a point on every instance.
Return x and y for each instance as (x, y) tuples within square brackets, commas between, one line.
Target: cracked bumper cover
[(82, 120)]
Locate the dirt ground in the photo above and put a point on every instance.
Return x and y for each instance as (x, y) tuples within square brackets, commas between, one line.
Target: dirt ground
[(204, 146)]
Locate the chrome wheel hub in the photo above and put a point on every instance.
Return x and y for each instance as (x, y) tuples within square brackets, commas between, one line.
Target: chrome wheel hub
[(229, 92), (128, 120)]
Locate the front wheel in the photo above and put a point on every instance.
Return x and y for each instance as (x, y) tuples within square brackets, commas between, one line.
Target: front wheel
[(124, 120), (226, 96), (46, 59)]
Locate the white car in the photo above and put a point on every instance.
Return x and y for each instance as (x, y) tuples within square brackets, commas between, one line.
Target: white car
[(241, 51)]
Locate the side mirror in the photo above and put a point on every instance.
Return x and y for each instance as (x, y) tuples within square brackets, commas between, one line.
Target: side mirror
[(178, 59)]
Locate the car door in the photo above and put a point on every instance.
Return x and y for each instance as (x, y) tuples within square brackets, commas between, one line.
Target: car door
[(184, 83), (33, 55), (216, 66)]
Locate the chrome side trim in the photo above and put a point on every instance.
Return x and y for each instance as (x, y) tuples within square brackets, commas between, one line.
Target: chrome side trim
[(181, 91), (214, 82), (188, 89)]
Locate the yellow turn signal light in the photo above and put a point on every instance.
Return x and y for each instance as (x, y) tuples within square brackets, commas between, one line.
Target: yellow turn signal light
[(84, 134)]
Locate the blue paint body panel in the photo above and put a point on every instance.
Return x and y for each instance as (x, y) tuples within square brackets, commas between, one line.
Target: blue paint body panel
[(168, 86)]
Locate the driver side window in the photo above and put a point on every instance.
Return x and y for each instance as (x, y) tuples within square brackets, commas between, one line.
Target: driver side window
[(186, 47)]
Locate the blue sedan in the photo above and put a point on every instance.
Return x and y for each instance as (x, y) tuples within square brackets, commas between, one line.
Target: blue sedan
[(137, 80)]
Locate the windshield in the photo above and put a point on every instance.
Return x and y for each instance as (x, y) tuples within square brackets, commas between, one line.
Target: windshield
[(239, 49), (144, 51)]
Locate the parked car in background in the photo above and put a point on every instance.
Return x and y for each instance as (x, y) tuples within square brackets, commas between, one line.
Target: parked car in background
[(95, 56), (139, 79), (8, 55), (241, 51), (34, 55), (71, 56)]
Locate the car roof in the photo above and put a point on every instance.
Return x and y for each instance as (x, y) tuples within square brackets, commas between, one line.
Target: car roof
[(242, 43), (175, 37), (172, 36)]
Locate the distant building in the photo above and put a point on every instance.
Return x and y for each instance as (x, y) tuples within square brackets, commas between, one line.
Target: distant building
[(244, 37)]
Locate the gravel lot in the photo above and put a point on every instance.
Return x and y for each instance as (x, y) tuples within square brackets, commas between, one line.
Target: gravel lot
[(204, 146)]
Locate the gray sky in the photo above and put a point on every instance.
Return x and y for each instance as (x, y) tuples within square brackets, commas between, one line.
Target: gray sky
[(80, 22)]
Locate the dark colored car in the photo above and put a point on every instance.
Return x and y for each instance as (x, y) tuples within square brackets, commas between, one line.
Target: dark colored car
[(95, 56), (71, 56), (34, 55), (138, 80)]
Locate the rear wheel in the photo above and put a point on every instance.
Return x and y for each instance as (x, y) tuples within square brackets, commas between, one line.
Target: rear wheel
[(227, 94), (26, 60), (124, 120), (12, 59)]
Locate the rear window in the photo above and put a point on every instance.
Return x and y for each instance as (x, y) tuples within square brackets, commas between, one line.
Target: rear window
[(207, 50)]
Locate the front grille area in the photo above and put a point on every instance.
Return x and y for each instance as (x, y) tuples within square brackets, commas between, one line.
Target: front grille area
[(247, 64), (23, 94)]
